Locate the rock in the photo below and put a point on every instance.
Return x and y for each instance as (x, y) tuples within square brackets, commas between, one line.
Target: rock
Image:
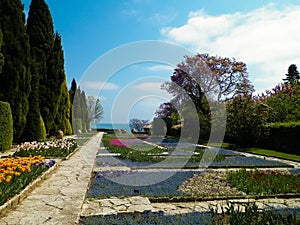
[(60, 134)]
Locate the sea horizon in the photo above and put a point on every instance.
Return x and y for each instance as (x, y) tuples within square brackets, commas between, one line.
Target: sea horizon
[(111, 126)]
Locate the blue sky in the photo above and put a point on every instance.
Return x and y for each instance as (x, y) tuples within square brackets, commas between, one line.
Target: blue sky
[(263, 34)]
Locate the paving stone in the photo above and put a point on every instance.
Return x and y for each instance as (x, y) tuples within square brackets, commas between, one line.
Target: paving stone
[(275, 205), (202, 206), (121, 208), (139, 208), (105, 203), (164, 206), (241, 201), (106, 211), (260, 205), (137, 200), (117, 202)]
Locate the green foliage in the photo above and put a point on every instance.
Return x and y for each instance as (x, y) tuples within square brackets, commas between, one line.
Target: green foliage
[(284, 103), (35, 128), (283, 137), (80, 111), (17, 184), (77, 125), (6, 126), (253, 215), (64, 111), (292, 77), (141, 153), (15, 76), (245, 121), (47, 53), (271, 153), (264, 183)]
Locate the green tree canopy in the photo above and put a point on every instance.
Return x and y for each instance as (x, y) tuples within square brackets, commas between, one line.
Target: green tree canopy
[(292, 77), (15, 76)]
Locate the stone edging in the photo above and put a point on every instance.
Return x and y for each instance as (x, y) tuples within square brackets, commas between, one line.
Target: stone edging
[(14, 201)]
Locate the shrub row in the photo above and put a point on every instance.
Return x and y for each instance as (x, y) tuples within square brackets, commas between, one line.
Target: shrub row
[(283, 137), (6, 126)]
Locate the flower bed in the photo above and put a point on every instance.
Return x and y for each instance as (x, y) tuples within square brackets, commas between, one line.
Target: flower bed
[(55, 148), (17, 173), (138, 151), (229, 215), (209, 184), (265, 182), (194, 185), (150, 218), (101, 186)]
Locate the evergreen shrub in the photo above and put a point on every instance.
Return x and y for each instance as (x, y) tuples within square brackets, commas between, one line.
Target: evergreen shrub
[(284, 137), (6, 126)]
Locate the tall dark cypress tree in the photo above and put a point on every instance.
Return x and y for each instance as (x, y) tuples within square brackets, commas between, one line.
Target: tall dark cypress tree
[(35, 128), (72, 92), (48, 53), (59, 88), (15, 76), (41, 36)]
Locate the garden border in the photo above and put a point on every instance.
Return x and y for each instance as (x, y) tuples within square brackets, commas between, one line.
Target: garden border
[(14, 201), (217, 198)]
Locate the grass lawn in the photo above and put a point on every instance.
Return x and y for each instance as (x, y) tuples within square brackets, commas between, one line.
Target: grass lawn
[(272, 153), (261, 151)]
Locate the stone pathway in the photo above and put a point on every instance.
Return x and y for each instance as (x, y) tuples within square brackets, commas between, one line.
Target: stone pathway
[(115, 205), (58, 200)]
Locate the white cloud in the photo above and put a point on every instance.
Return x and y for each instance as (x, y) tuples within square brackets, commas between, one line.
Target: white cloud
[(99, 85), (161, 68), (266, 39), (149, 86), (162, 19)]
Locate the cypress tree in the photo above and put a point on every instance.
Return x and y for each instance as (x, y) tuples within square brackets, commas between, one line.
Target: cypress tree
[(35, 128), (80, 119), (293, 76), (15, 76), (72, 92), (41, 36), (48, 53), (84, 112), (62, 116)]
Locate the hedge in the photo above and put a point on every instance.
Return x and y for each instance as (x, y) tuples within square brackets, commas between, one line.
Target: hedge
[(6, 126), (284, 137)]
